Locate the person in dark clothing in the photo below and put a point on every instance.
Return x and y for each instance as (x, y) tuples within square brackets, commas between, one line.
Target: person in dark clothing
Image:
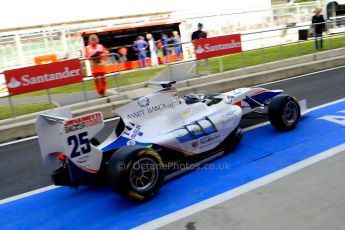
[(318, 25), (199, 34), (140, 46), (165, 47), (176, 40)]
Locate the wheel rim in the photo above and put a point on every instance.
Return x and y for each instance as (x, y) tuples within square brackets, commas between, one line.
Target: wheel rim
[(144, 174), (291, 112)]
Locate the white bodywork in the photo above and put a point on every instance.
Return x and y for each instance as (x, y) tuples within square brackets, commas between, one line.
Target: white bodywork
[(158, 120), (162, 119), (243, 96), (59, 133)]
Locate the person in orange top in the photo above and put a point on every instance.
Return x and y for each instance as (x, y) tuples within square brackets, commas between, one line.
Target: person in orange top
[(97, 54)]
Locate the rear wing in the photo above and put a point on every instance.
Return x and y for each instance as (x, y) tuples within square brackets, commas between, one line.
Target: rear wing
[(59, 133), (164, 84)]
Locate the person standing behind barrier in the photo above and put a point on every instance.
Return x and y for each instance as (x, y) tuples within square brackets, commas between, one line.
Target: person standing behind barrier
[(318, 25), (123, 54), (140, 46), (153, 49), (96, 53), (199, 34), (165, 43), (176, 41)]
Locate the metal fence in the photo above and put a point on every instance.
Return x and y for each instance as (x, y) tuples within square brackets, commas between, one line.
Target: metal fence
[(259, 48), (20, 49)]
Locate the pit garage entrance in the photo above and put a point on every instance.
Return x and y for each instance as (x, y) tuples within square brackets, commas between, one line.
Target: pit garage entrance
[(335, 11), (118, 37)]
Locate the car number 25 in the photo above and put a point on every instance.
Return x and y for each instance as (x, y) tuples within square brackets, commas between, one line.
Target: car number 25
[(80, 144)]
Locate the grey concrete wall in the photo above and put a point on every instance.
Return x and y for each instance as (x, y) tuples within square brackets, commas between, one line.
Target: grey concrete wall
[(77, 106)]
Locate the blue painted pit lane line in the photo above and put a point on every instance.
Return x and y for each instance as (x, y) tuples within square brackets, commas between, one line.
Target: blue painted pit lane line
[(262, 151)]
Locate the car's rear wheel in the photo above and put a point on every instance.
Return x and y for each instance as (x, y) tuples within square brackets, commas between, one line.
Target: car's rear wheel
[(284, 112), (136, 172)]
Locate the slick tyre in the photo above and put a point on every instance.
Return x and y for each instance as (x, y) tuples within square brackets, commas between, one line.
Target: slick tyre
[(136, 172), (284, 112)]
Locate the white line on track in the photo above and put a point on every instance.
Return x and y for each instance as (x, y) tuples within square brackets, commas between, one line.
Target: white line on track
[(18, 141), (190, 210), (27, 194), (300, 76), (325, 105)]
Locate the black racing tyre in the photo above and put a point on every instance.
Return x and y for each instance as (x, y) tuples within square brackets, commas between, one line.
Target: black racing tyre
[(136, 172), (284, 112)]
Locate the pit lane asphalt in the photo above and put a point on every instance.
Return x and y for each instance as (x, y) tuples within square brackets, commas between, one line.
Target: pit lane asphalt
[(312, 198), (21, 168)]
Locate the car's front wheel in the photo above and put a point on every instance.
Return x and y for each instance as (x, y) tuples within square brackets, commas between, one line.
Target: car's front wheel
[(136, 172), (284, 112)]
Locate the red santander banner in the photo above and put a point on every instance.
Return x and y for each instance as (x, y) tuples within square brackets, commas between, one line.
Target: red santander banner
[(217, 46), (46, 76)]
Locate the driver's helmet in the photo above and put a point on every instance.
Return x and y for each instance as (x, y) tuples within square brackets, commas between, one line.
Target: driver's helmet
[(193, 98)]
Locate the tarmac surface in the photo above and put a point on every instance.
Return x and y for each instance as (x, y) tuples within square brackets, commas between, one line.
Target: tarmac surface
[(177, 72), (312, 198)]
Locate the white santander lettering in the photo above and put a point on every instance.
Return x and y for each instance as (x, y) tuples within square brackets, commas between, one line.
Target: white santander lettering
[(233, 44), (31, 80)]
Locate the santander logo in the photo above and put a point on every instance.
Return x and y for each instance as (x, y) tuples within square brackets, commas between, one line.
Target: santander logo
[(39, 77), (199, 50), (27, 80), (212, 48), (217, 46), (14, 83)]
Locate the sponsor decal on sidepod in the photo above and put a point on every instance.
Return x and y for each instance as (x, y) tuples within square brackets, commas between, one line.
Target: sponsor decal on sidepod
[(148, 110)]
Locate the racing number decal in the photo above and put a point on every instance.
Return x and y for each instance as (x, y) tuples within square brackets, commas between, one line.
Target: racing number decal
[(77, 141)]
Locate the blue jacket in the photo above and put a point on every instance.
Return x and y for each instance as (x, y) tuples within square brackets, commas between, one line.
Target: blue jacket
[(140, 46)]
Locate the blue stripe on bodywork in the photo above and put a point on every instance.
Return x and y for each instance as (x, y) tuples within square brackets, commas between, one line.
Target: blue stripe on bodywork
[(120, 142), (210, 130), (261, 98), (185, 138)]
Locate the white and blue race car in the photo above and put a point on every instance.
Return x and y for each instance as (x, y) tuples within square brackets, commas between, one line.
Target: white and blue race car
[(155, 134)]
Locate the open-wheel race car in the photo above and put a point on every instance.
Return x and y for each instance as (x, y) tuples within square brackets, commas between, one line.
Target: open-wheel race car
[(153, 133)]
